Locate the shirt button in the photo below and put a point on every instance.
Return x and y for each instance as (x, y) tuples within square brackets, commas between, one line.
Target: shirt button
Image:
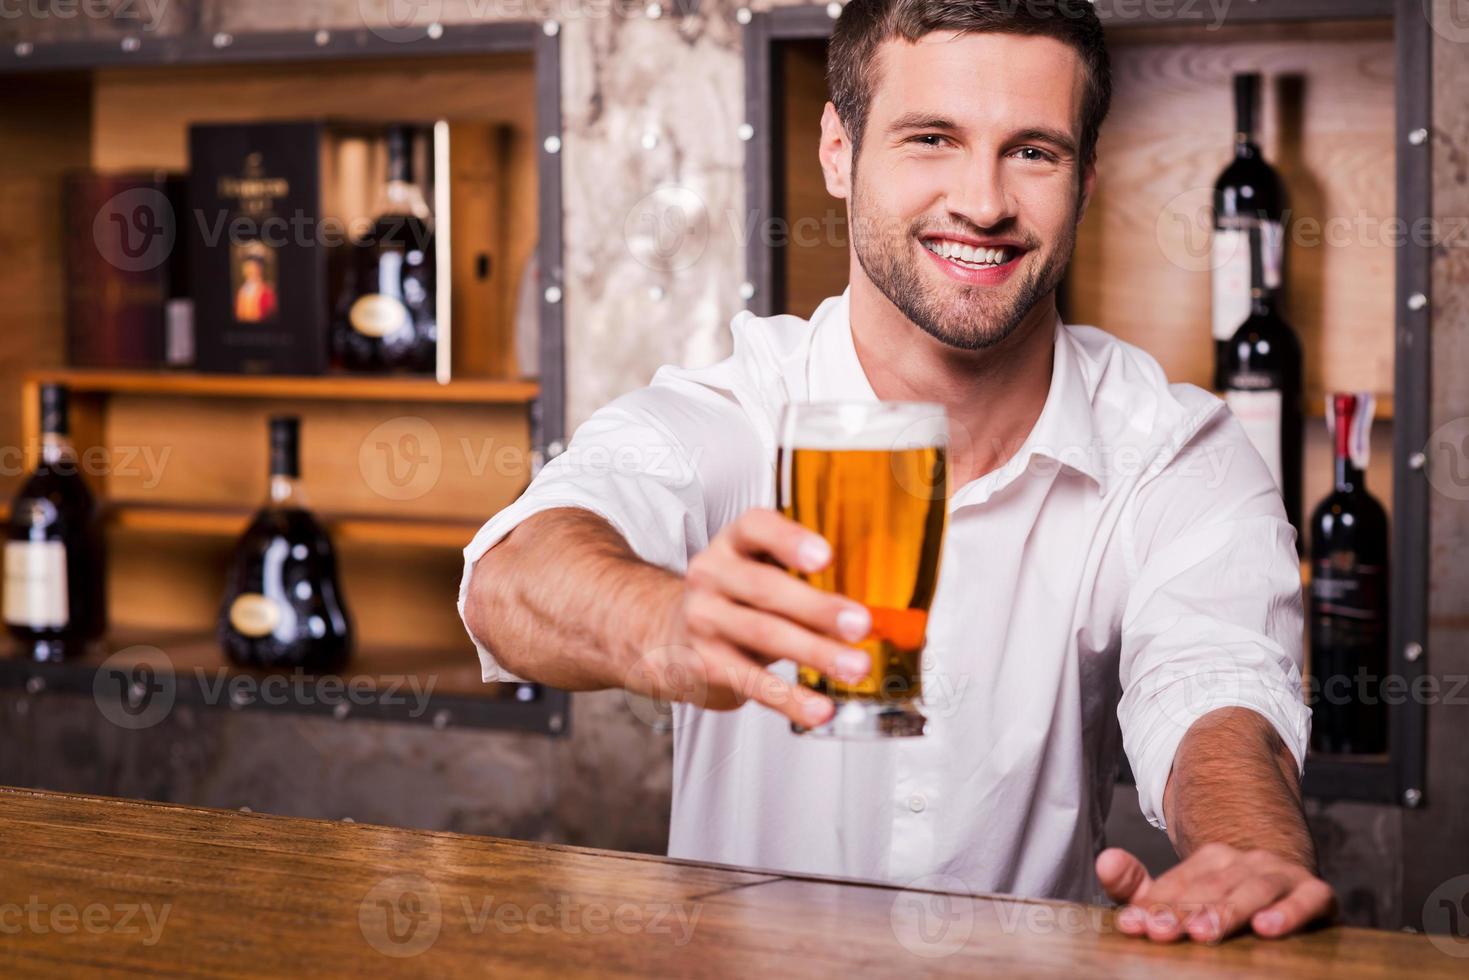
[(917, 803)]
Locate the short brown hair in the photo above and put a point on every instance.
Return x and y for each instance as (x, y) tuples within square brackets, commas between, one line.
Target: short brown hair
[(851, 58)]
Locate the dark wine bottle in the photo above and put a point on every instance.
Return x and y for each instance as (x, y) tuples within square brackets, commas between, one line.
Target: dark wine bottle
[(384, 318), (1248, 194), (282, 606), (1262, 384), (55, 592), (1349, 597)]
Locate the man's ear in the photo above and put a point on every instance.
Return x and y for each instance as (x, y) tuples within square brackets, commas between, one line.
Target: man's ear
[(836, 154)]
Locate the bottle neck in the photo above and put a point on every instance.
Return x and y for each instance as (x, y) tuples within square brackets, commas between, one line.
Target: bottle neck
[(402, 196), (1262, 302), (56, 449), (1348, 475), (285, 491)]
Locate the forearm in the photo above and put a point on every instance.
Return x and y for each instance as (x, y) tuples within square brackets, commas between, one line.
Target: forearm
[(564, 601), (1234, 782)]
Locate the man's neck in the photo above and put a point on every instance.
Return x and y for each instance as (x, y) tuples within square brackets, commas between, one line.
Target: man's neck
[(993, 397)]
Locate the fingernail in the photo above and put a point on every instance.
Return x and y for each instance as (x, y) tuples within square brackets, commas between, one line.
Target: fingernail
[(1269, 921), (814, 711), (1130, 918), (854, 623), (813, 553), (854, 664), (1163, 919), (1205, 926)]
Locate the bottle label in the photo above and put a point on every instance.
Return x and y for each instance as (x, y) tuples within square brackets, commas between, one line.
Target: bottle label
[(1341, 587), (1260, 413), (1230, 261), (35, 584), (254, 615), (376, 315)]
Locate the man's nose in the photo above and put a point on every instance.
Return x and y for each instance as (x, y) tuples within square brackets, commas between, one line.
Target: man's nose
[(980, 196)]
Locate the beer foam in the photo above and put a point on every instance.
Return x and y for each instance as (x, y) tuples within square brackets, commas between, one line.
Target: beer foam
[(883, 426)]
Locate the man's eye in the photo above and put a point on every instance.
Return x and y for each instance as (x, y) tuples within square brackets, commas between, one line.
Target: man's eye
[(931, 139), (1033, 153)]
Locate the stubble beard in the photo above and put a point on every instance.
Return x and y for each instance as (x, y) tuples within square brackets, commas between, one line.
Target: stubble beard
[(970, 318)]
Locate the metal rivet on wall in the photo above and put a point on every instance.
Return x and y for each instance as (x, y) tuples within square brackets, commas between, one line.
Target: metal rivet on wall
[(441, 719), (1417, 461), (555, 448), (223, 40), (552, 144), (1412, 652), (131, 44), (435, 31), (1417, 302), (553, 294), (24, 49), (833, 10), (323, 38), (556, 723), (1418, 136), (743, 15), (551, 28), (747, 290), (35, 685), (746, 132), (341, 711), (1412, 797)]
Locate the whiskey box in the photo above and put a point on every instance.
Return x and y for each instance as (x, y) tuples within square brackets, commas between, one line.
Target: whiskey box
[(257, 248)]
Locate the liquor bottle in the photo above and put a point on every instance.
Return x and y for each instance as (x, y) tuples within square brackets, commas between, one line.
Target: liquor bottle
[(55, 596), (1348, 601), (1262, 385), (1248, 194), (282, 605), (384, 318)]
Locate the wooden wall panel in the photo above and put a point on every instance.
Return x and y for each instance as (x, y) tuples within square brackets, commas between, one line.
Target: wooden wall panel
[(1141, 268), (358, 458), (817, 258), (142, 115), (398, 597), (43, 132)]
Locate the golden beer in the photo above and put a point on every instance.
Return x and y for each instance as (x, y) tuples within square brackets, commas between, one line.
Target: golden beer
[(870, 479)]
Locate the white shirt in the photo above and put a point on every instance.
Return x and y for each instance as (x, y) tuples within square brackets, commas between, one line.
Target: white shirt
[(1127, 571)]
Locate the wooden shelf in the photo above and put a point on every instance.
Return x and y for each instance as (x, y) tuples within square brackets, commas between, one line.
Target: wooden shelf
[(427, 686), (327, 387), (229, 523)]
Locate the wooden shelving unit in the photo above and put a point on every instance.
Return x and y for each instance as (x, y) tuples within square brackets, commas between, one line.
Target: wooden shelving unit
[(1347, 87), (402, 470), (467, 391)]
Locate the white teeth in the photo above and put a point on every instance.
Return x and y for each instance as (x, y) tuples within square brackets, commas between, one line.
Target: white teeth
[(967, 254)]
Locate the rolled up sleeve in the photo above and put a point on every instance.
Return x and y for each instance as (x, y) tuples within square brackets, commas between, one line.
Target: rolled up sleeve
[(664, 465), (1213, 617)]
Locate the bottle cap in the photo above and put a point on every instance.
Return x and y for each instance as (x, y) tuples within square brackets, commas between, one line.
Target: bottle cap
[(1349, 419)]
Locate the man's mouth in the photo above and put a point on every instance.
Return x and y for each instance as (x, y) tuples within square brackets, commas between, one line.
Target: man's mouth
[(972, 256)]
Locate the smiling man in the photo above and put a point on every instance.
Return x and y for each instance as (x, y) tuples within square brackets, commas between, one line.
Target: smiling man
[(1118, 574)]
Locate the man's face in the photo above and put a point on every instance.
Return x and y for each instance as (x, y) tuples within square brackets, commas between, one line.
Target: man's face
[(968, 188)]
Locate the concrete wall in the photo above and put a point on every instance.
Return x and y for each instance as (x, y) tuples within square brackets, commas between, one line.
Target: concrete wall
[(626, 76)]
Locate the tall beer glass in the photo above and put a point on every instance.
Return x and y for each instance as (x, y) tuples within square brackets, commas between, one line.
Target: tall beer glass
[(870, 478)]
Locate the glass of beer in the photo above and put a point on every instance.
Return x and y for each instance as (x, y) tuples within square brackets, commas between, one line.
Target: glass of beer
[(870, 478)]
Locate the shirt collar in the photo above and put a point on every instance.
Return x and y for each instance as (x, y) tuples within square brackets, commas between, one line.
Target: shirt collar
[(1064, 433)]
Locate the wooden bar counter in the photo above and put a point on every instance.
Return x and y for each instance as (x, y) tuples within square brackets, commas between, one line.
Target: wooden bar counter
[(92, 886)]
